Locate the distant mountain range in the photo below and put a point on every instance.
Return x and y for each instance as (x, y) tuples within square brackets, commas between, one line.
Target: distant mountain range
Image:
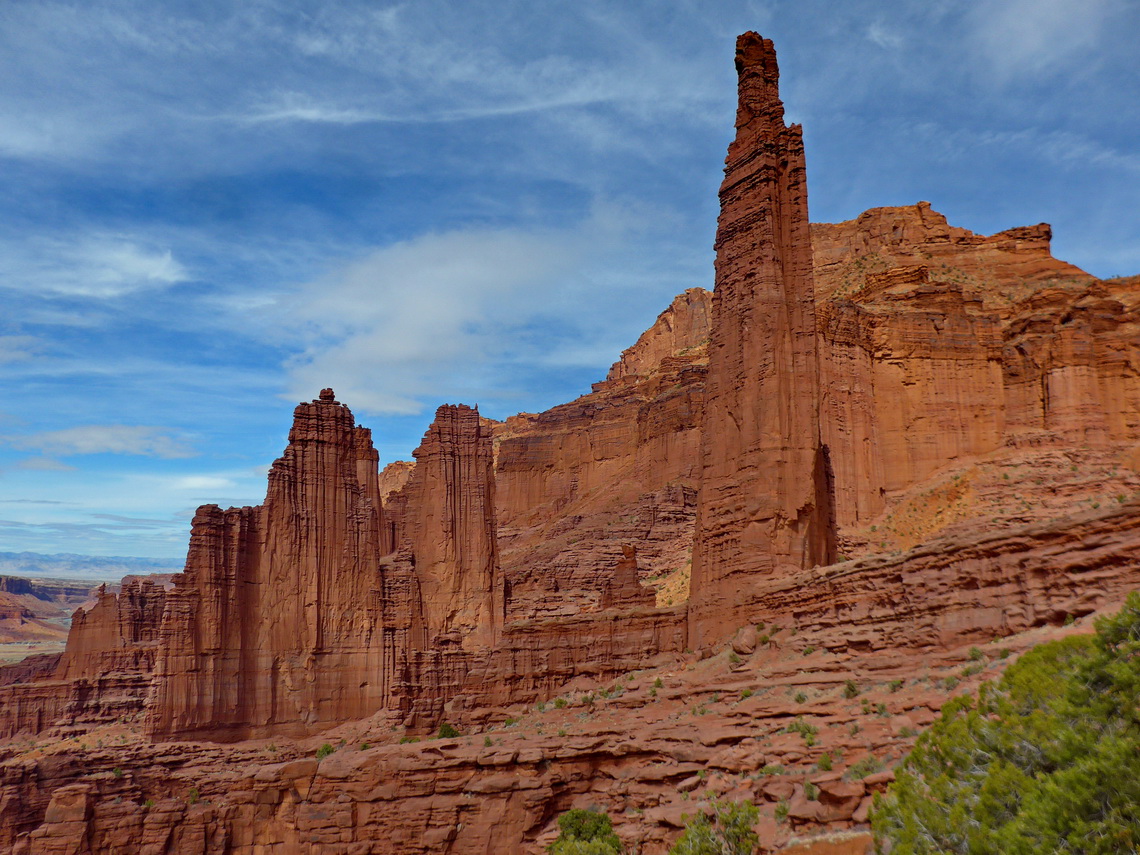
[(69, 566)]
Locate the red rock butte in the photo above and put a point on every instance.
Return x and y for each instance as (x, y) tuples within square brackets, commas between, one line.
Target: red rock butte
[(878, 461)]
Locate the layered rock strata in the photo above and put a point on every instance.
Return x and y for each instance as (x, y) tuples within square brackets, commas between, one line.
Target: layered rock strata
[(275, 624), (939, 345), (616, 467), (446, 529), (963, 589), (764, 506), (103, 675), (912, 379)]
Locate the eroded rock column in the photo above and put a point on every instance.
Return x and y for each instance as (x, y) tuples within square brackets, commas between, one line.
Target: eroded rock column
[(764, 504)]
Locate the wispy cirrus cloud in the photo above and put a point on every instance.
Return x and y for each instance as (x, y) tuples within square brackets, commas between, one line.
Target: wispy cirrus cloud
[(1030, 37), (44, 464), (92, 266), (18, 348), (465, 314), (104, 439)]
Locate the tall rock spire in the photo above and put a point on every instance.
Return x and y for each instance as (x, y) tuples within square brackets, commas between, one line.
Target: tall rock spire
[(274, 626), (448, 527), (764, 503)]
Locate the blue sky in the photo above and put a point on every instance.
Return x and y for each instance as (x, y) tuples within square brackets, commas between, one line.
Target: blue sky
[(208, 211)]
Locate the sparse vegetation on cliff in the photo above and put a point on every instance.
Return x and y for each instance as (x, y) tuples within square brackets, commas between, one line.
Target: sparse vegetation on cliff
[(729, 833), (1046, 760), (585, 832)]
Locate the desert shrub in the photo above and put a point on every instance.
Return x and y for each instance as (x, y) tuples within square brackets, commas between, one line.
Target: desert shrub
[(326, 749), (869, 765), (728, 833), (824, 764), (1046, 760), (585, 832), (802, 728), (447, 731)]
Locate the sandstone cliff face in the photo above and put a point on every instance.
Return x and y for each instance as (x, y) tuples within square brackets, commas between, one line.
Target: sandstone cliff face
[(965, 588), (681, 329), (764, 504), (616, 467), (912, 380), (394, 476), (104, 673), (1071, 366), (447, 529), (119, 633), (1017, 261), (274, 626), (939, 345)]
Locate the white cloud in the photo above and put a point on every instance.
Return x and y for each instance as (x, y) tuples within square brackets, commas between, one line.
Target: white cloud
[(104, 439), (1059, 148), (202, 482), (463, 315), (118, 268), (883, 36), (44, 464), (17, 348), (382, 328), (1028, 37), (96, 266)]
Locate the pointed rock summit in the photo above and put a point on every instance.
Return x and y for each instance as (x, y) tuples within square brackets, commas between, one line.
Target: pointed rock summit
[(764, 504)]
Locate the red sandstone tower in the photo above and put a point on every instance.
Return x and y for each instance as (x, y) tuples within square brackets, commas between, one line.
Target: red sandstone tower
[(764, 505)]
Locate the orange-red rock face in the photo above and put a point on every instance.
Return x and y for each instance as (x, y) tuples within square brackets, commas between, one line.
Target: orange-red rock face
[(103, 675), (1072, 366), (958, 590), (939, 345), (912, 380), (615, 468), (274, 626), (447, 525), (1018, 260), (764, 505), (119, 633)]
